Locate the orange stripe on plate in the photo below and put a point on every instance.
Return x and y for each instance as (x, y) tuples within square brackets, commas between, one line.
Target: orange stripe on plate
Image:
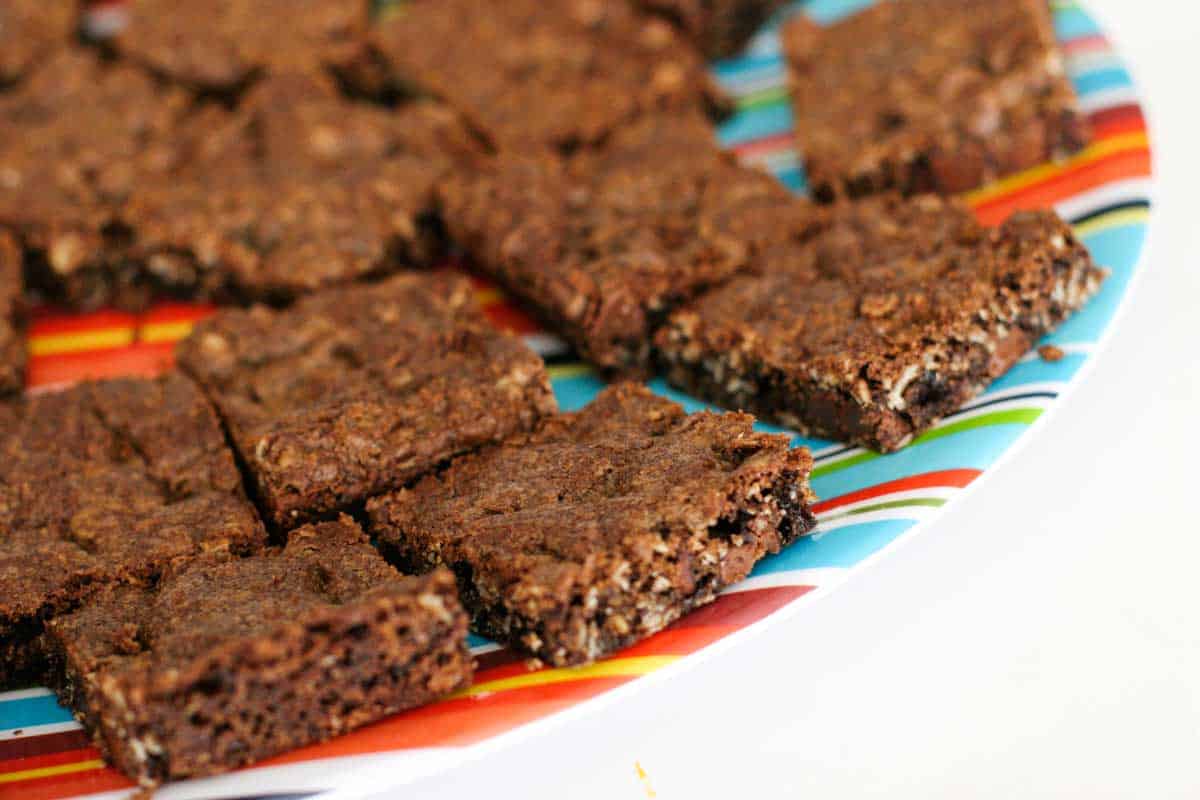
[(50, 321), (145, 360), (71, 784), (1118, 166)]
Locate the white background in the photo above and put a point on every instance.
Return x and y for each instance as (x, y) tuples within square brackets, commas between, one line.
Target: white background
[(1042, 639)]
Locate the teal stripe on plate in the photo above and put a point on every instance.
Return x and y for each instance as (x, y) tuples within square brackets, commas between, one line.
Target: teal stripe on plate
[(29, 711), (840, 547), (756, 123)]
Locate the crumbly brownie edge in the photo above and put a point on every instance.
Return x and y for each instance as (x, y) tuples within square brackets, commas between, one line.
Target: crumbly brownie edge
[(760, 517), (161, 728), (891, 416)]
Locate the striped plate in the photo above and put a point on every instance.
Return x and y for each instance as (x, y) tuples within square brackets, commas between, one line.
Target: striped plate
[(870, 502)]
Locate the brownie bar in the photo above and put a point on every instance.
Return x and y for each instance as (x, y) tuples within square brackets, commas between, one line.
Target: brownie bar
[(105, 483), (356, 391), (602, 526), (718, 27), (226, 660), (222, 45), (298, 190), (74, 137), (12, 324), (602, 246), (530, 75), (930, 95), (892, 317), (29, 31)]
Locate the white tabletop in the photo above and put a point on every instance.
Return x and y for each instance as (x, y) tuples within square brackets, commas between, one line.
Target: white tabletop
[(1041, 639)]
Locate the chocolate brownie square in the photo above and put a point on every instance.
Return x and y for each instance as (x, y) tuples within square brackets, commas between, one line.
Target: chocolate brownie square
[(12, 325), (894, 315), (930, 96), (106, 483), (297, 190), (602, 526), (718, 27), (222, 45), (356, 391), (530, 75), (74, 138), (29, 31), (226, 660), (602, 246)]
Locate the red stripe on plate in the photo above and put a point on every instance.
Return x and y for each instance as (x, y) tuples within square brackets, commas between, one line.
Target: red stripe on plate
[(30, 746), (951, 477), (141, 359)]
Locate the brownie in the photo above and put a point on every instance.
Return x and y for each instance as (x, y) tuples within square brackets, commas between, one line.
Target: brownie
[(356, 391), (228, 660), (604, 525), (891, 317), (530, 75), (297, 190), (105, 483), (930, 96), (718, 27), (29, 31), (12, 327), (604, 244), (222, 45), (74, 137)]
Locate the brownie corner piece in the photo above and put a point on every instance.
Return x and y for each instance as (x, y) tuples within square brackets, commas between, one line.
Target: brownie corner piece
[(603, 525), (930, 96), (12, 328), (899, 312), (718, 27), (359, 390), (225, 660)]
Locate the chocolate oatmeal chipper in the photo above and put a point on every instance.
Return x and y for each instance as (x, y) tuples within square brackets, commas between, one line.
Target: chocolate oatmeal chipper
[(893, 316), (530, 75), (75, 138), (603, 246), (604, 525), (930, 95), (107, 483), (297, 190), (221, 45), (356, 391), (227, 660)]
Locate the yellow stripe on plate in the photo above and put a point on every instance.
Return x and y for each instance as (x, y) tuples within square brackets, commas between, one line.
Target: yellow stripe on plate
[(1114, 219), (80, 341), (614, 668), (46, 772), (154, 332), (569, 370), (1134, 140), (487, 297)]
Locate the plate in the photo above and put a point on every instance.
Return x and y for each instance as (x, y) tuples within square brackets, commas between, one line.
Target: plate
[(869, 504)]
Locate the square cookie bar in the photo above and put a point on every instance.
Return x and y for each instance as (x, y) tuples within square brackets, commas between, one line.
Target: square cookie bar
[(106, 483), (226, 660), (930, 96), (529, 75), (892, 317), (356, 391), (604, 525), (604, 245)]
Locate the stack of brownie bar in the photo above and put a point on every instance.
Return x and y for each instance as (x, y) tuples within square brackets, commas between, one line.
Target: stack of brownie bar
[(205, 565)]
